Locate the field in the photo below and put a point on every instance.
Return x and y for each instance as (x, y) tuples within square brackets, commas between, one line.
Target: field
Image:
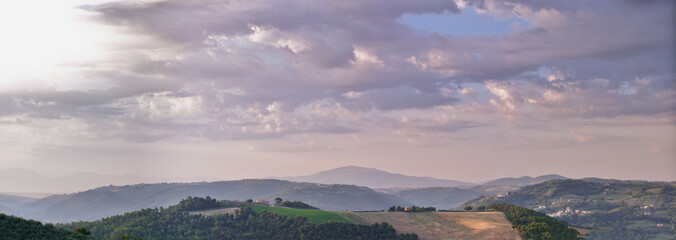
[(215, 211), (428, 225), (315, 216), (447, 225)]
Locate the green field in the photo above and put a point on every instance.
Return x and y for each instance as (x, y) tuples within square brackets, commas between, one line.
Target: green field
[(315, 216)]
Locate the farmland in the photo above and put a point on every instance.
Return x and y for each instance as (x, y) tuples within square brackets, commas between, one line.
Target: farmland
[(315, 216), (213, 212), (427, 225), (447, 225)]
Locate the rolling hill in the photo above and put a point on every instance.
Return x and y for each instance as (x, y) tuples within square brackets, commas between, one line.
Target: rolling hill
[(245, 223), (522, 181), (452, 197), (447, 225), (257, 221), (373, 178), (616, 209), (11, 203), (112, 200)]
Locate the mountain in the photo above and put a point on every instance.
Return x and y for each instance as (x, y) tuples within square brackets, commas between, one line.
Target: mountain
[(12, 204), (452, 197), (621, 209), (22, 180), (373, 178), (111, 200), (522, 181)]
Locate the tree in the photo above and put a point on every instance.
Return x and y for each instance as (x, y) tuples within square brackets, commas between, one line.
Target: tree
[(83, 231), (249, 201), (278, 200), (468, 208)]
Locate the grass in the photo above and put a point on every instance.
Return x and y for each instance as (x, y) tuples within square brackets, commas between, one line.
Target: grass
[(314, 216)]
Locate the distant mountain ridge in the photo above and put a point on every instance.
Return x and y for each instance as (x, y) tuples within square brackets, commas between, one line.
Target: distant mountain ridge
[(336, 189), (22, 180), (623, 209), (113, 200), (523, 181), (373, 178)]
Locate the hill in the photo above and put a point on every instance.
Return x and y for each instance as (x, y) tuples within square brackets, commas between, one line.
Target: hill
[(244, 224), (618, 209), (18, 228), (452, 197), (112, 200), (313, 216), (522, 181), (11, 203), (447, 225), (373, 178), (256, 221)]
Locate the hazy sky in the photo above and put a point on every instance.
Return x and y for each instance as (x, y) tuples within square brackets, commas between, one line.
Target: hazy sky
[(465, 90)]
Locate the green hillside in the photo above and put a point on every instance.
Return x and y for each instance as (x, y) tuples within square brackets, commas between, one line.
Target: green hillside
[(176, 222), (112, 200), (613, 208), (314, 216), (18, 228)]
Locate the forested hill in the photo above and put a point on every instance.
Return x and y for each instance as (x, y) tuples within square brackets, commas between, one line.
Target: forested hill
[(112, 200), (12, 228), (173, 223), (535, 225), (617, 209)]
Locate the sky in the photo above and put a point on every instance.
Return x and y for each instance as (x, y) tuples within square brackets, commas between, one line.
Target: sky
[(216, 89)]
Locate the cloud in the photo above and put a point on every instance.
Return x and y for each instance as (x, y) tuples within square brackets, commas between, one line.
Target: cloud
[(230, 70)]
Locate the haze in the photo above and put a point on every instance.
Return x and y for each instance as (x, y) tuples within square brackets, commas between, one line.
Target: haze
[(463, 90)]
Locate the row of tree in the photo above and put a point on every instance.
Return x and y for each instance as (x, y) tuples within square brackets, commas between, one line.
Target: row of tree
[(411, 209), (297, 204), (535, 225)]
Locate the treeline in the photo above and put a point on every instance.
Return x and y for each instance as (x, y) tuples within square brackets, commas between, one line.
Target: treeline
[(196, 203), (298, 204), (535, 225), (199, 203), (411, 209), (170, 223), (12, 228)]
